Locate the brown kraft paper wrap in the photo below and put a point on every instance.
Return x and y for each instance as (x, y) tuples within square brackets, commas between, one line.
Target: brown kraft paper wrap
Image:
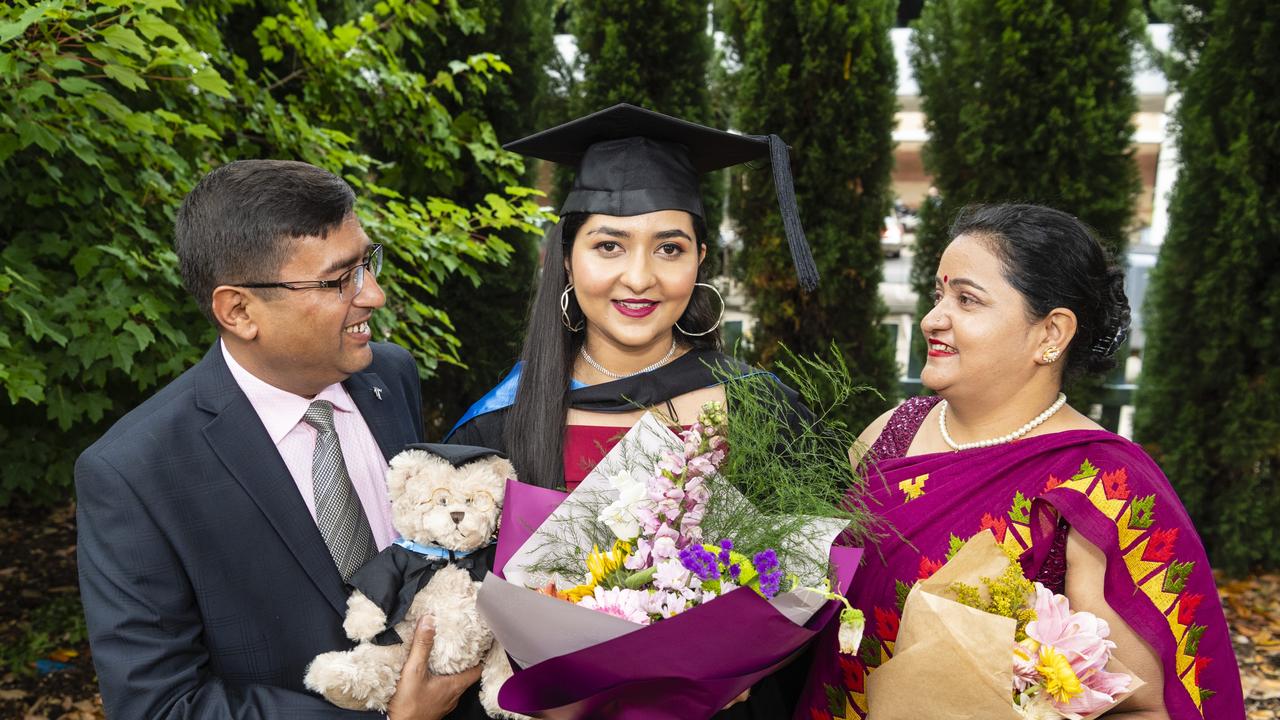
[(951, 661)]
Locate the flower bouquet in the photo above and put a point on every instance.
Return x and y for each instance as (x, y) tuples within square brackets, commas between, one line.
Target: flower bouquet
[(979, 640), (658, 589)]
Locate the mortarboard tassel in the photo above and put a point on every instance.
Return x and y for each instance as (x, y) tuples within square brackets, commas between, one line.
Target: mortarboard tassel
[(806, 269)]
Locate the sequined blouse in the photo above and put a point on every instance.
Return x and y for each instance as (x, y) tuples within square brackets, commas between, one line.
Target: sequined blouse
[(894, 441)]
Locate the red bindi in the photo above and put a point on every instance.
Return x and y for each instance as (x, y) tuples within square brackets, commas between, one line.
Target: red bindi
[(944, 279)]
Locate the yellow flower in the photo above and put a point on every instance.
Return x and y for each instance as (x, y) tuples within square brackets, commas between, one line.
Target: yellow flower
[(602, 565), (1060, 680), (574, 594)]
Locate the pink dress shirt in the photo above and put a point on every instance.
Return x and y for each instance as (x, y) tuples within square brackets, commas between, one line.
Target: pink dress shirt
[(281, 413)]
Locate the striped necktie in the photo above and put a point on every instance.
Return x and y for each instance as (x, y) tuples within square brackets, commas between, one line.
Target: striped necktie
[(339, 515)]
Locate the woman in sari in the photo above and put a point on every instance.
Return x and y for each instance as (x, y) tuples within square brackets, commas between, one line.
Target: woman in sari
[(1026, 298), (623, 321)]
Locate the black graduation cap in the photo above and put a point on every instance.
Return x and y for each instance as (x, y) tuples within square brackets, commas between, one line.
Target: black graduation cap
[(456, 455), (633, 161)]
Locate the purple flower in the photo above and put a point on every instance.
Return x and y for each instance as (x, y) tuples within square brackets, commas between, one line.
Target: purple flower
[(701, 563), (767, 565), (725, 546), (765, 560), (735, 571)]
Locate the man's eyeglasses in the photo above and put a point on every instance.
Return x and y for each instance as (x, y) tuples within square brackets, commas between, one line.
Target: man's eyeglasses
[(372, 264)]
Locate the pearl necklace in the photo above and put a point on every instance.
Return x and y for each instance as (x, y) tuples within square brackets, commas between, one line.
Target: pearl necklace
[(616, 376), (1038, 421)]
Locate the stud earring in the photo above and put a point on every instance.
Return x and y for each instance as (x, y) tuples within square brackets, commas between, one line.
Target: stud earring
[(1051, 354)]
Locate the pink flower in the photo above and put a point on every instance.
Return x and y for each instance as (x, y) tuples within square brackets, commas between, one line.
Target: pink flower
[(1081, 638), (701, 465), (640, 558), (671, 463), (664, 548), (618, 602), (1024, 664)]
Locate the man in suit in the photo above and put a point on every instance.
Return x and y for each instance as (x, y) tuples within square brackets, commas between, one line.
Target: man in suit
[(218, 520)]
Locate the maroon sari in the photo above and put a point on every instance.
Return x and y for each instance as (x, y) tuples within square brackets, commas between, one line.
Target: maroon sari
[(1157, 577)]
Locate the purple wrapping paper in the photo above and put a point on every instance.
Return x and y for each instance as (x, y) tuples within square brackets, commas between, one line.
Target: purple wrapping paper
[(688, 666), (524, 509)]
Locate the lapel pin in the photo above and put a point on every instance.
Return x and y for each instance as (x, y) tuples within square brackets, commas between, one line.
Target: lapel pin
[(377, 392)]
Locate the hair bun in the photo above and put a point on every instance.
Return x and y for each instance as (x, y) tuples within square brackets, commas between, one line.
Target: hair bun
[(1115, 308)]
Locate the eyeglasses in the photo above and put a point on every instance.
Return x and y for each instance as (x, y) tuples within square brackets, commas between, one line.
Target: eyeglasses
[(476, 500), (372, 263)]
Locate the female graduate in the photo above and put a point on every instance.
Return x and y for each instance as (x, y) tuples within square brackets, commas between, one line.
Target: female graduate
[(623, 320)]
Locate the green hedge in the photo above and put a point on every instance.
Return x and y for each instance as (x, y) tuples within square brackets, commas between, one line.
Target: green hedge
[(113, 110)]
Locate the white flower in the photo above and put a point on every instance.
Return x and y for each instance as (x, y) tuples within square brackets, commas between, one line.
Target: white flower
[(1035, 707), (852, 624), (622, 516), (671, 575), (674, 605)]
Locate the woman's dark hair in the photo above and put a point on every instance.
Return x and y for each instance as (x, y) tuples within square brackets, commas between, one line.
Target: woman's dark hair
[(1054, 260), (534, 428)]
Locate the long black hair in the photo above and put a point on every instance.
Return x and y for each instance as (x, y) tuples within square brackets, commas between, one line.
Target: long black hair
[(534, 427), (1054, 260)]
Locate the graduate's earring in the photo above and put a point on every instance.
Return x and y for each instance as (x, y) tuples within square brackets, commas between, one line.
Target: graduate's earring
[(564, 310), (1051, 354), (715, 326)]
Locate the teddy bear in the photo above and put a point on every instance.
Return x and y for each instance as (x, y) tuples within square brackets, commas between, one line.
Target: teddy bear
[(446, 501)]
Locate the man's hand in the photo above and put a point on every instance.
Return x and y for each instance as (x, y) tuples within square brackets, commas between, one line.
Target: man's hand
[(421, 694)]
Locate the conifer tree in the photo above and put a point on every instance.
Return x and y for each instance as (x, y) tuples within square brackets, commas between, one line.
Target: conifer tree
[(1026, 101), (1208, 406), (821, 75), (489, 316)]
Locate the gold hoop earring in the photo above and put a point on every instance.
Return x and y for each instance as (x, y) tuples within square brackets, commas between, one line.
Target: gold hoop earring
[(714, 327), (564, 310), (1051, 354)]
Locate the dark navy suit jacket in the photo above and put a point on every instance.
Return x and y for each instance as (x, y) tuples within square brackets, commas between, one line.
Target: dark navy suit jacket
[(206, 584)]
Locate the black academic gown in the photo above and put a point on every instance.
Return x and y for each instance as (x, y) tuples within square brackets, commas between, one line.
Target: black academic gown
[(484, 422), (772, 698)]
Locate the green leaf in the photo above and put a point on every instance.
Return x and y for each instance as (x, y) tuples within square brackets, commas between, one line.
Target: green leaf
[(9, 144), (346, 35), (122, 38), (200, 130), (109, 106), (34, 323), (66, 63), (153, 27), (85, 260), (125, 76), (169, 117), (36, 90), (76, 85), (9, 31), (209, 80), (29, 132), (142, 333)]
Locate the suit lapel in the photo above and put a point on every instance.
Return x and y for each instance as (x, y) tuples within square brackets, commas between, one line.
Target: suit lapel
[(241, 442), (386, 413)]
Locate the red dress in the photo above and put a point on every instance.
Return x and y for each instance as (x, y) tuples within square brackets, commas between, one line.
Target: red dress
[(584, 447)]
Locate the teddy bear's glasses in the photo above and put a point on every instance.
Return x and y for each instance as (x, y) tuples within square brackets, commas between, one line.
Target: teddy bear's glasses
[(475, 500)]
